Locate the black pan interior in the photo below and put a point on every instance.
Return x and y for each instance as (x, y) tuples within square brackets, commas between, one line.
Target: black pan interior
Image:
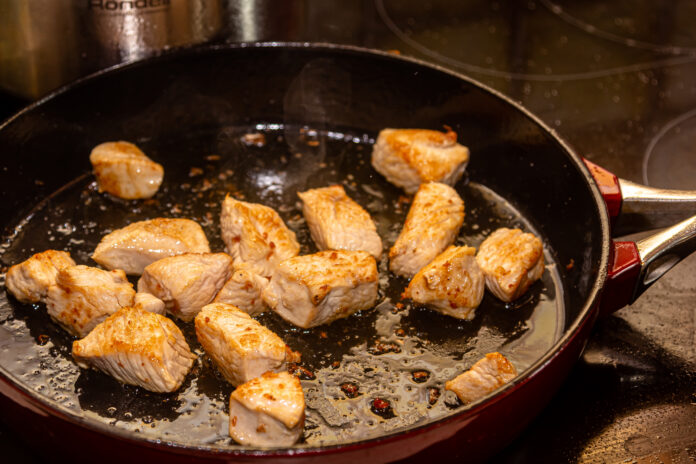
[(319, 110)]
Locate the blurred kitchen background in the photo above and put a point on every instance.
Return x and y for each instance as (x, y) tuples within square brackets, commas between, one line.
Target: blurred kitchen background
[(616, 79)]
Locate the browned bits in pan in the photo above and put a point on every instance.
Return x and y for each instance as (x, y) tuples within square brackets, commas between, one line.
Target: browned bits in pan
[(301, 372), (42, 339), (433, 395), (255, 139), (382, 408), (350, 389), (193, 172), (420, 376), (382, 347)]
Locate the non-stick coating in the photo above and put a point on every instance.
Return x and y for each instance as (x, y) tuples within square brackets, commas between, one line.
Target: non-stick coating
[(319, 110)]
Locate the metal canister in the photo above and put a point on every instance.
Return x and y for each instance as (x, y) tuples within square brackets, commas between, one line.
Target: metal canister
[(46, 43)]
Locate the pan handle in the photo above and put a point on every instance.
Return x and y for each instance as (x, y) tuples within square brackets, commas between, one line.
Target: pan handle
[(637, 265), (633, 207)]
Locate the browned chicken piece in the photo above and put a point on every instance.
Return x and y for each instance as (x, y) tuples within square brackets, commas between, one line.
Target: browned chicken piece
[(240, 347), (123, 170), (84, 296), (317, 289), (144, 242), (511, 261), (432, 224), (336, 222), (186, 282), (243, 290), (487, 375), (149, 303), (256, 235), (29, 280), (410, 157), (138, 348), (268, 411), (451, 284)]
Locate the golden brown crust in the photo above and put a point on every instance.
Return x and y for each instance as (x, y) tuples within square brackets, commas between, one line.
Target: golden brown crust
[(512, 261), (29, 280), (277, 394), (347, 268), (137, 347), (256, 235), (486, 375), (123, 170), (432, 224), (452, 283), (337, 222)]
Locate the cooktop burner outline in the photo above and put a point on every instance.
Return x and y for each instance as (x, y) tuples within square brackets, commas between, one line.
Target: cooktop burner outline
[(559, 11), (591, 74), (652, 149)]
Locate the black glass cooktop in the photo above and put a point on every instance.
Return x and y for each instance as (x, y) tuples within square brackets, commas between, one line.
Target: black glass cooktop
[(617, 80)]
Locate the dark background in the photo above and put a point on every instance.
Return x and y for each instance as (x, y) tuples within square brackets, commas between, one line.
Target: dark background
[(617, 80)]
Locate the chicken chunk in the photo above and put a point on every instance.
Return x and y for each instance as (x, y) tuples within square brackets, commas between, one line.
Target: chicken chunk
[(84, 296), (243, 290), (256, 235), (123, 170), (29, 280), (487, 375), (451, 284), (336, 222), (268, 411), (138, 348), (186, 282), (141, 243), (410, 157), (240, 347), (317, 289), (432, 224), (149, 303), (511, 261)]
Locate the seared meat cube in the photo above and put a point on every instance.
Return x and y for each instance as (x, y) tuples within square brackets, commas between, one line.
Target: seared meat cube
[(144, 242), (186, 282), (149, 303), (410, 157), (487, 375), (256, 235), (243, 290), (317, 289), (336, 222), (511, 261), (451, 284), (123, 170), (432, 224), (84, 296), (240, 347), (29, 280), (137, 347), (268, 411)]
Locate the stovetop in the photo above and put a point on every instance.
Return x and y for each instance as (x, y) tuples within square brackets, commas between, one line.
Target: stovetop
[(617, 80)]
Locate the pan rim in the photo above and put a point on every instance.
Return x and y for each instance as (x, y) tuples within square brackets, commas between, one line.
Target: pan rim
[(588, 310)]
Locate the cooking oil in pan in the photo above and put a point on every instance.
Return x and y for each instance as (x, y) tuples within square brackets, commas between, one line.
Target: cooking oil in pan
[(374, 373)]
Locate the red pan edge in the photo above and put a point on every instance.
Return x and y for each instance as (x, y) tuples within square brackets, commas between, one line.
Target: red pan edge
[(523, 398)]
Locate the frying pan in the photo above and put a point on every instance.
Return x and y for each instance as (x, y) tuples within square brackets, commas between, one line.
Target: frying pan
[(317, 109)]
